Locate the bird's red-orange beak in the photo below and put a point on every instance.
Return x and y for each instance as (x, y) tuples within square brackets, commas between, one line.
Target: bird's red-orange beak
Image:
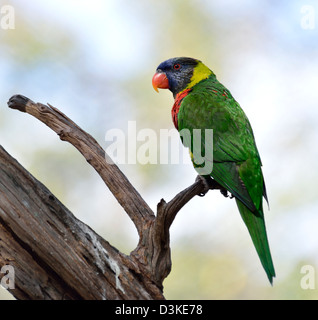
[(160, 80)]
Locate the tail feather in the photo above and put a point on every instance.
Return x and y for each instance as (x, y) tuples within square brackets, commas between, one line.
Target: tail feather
[(256, 227)]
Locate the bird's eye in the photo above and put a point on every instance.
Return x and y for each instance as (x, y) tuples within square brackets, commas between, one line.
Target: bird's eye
[(176, 66)]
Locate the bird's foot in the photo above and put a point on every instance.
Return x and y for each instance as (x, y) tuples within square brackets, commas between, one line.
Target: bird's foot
[(209, 183), (226, 193), (205, 183)]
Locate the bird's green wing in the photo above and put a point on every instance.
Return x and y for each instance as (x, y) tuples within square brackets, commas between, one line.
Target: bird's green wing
[(236, 162)]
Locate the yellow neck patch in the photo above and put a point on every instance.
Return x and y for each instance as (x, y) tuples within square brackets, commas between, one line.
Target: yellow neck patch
[(200, 72)]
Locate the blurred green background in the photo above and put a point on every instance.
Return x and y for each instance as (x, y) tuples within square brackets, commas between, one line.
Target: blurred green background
[(94, 60)]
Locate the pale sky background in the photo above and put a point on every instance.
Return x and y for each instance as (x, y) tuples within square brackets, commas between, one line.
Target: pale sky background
[(94, 60)]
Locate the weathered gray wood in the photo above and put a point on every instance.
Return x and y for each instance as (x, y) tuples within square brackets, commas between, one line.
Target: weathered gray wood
[(56, 256), (127, 196)]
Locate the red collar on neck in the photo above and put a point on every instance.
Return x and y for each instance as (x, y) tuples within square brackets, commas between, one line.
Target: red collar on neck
[(176, 106)]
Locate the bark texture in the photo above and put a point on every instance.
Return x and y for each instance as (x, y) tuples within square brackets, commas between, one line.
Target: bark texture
[(56, 256)]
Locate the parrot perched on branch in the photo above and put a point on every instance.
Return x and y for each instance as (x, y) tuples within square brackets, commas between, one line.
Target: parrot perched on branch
[(201, 103)]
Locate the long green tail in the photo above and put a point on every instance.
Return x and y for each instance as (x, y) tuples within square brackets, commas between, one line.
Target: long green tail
[(256, 227)]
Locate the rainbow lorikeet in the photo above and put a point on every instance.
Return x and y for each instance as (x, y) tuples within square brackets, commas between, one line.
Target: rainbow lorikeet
[(202, 102)]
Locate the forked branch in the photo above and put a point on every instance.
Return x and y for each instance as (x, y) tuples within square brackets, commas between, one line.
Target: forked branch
[(151, 259)]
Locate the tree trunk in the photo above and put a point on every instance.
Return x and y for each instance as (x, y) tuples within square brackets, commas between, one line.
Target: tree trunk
[(53, 255)]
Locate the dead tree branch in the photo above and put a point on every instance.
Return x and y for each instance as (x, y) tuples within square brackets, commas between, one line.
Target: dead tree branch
[(56, 256)]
